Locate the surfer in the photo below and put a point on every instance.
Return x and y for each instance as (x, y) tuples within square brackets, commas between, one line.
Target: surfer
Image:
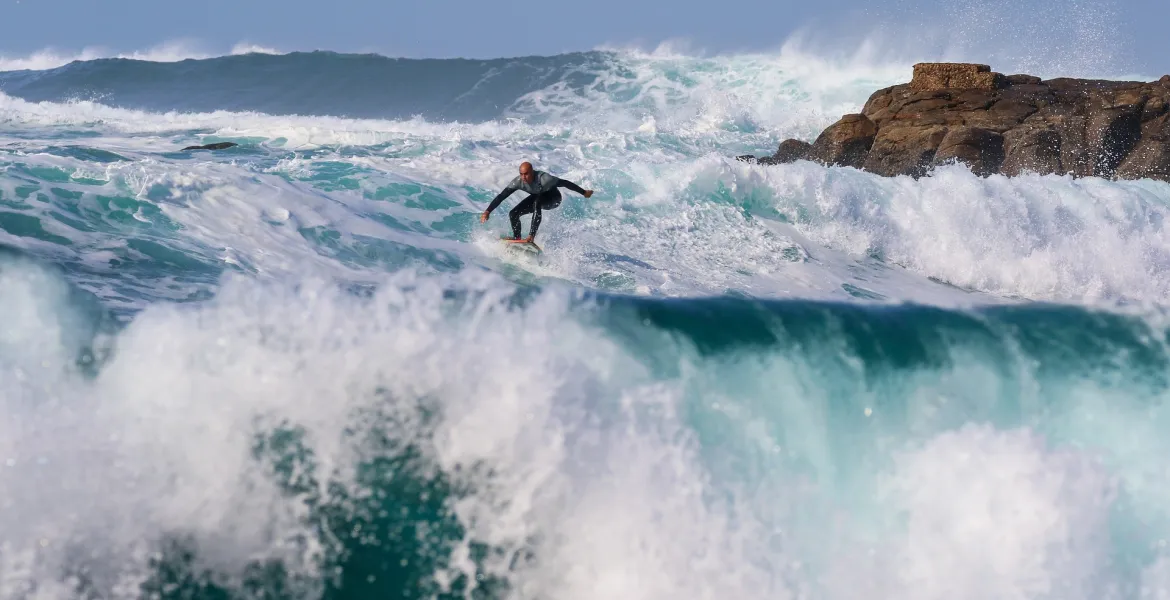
[(542, 195)]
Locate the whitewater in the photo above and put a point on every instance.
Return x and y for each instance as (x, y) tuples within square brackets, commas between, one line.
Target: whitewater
[(302, 368)]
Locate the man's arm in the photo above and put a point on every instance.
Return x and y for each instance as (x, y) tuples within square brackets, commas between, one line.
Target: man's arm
[(496, 202), (565, 183)]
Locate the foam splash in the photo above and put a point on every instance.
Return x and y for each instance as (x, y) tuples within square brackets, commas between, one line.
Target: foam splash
[(790, 93), (1063, 38), (593, 466), (100, 473), (1001, 514), (1044, 238)]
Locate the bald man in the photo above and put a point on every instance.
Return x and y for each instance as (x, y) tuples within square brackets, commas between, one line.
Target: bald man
[(542, 195)]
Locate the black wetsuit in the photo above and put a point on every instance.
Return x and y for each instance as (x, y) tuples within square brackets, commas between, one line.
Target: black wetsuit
[(542, 195)]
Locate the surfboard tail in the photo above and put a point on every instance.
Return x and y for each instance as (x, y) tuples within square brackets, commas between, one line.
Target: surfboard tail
[(522, 244)]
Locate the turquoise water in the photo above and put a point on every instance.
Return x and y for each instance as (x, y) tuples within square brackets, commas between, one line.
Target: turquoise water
[(302, 368)]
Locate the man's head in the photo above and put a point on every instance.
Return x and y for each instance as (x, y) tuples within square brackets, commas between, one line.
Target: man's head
[(526, 172)]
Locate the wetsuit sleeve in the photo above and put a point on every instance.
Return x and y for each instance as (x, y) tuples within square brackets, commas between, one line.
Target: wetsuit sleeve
[(500, 198), (565, 183)]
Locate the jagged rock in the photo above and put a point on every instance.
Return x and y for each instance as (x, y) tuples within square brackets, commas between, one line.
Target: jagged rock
[(905, 150), (980, 149), (845, 143), (1151, 157), (789, 151), (1001, 124), (1022, 79), (1154, 108), (954, 76), (1031, 150), (1114, 132)]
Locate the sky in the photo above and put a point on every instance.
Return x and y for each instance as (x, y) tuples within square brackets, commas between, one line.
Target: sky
[(1063, 37)]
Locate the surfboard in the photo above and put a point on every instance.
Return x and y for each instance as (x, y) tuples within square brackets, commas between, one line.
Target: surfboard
[(521, 245)]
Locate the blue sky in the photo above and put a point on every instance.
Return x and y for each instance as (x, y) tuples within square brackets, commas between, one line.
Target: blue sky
[(1123, 36)]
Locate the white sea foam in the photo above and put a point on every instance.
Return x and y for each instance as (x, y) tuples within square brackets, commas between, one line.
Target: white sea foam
[(160, 443), (596, 466), (1050, 237)]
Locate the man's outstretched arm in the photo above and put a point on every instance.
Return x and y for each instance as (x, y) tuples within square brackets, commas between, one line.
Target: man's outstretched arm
[(496, 202), (565, 183)]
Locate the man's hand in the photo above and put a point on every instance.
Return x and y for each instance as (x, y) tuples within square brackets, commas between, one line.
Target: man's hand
[(484, 217), (588, 193)]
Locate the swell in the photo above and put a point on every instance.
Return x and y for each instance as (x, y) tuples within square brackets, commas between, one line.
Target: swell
[(1047, 342), (315, 442), (309, 83)]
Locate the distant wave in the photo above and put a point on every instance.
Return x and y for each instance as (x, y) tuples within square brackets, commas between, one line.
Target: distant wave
[(307, 83), (50, 58)]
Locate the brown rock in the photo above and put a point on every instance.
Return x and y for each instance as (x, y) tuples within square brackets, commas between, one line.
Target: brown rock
[(947, 76), (1000, 114), (980, 149), (992, 123), (904, 150), (1010, 112), (1022, 80), (845, 143), (1155, 107), (1111, 135), (882, 108), (1067, 121), (1123, 98), (879, 100), (925, 104), (1031, 149), (789, 151), (1150, 159), (1158, 129), (1075, 157), (973, 100)]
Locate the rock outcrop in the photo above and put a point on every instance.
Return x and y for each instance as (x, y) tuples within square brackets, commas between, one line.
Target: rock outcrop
[(994, 123)]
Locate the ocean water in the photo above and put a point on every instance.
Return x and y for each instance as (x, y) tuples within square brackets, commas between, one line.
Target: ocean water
[(302, 368)]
